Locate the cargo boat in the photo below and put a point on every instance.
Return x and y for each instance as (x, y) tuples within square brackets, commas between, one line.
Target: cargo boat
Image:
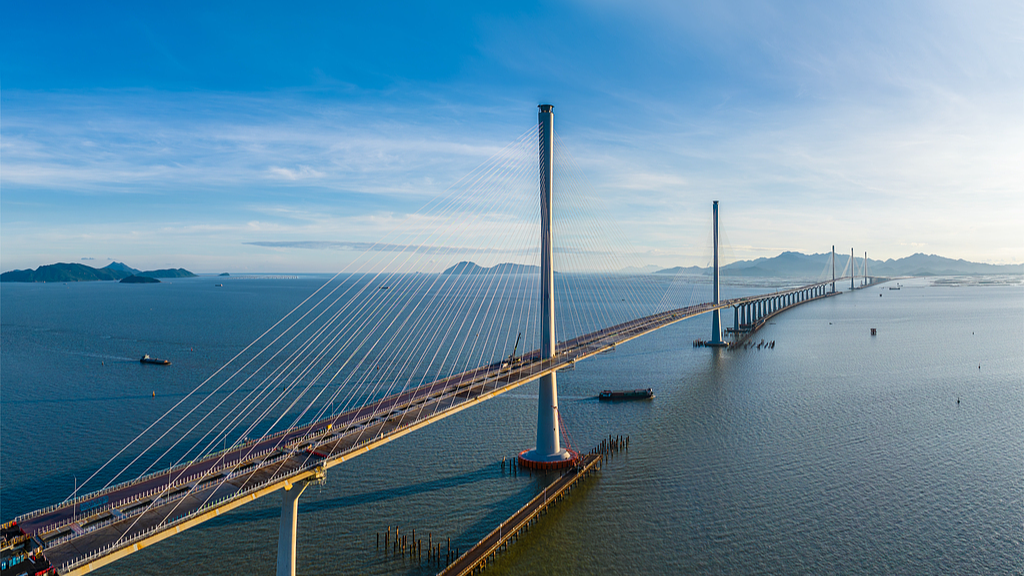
[(147, 360), (639, 394)]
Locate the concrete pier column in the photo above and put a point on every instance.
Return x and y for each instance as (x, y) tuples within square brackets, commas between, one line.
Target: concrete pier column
[(735, 319), (289, 524)]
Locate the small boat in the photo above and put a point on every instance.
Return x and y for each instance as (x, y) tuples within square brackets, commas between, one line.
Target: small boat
[(639, 394), (147, 360)]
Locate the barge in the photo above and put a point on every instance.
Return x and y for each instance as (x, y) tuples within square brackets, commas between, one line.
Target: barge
[(638, 394)]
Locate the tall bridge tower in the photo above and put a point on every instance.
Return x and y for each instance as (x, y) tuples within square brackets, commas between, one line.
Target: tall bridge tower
[(548, 452), (716, 315)]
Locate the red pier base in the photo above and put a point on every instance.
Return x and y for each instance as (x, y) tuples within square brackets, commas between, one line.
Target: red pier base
[(525, 462)]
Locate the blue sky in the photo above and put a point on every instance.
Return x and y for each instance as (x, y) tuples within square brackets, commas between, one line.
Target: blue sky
[(179, 134)]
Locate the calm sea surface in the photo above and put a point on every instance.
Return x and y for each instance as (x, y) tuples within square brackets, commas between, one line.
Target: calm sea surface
[(834, 453)]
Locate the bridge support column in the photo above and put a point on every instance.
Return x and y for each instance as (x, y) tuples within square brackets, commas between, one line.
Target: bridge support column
[(833, 268), (289, 524), (548, 452), (735, 319), (853, 270)]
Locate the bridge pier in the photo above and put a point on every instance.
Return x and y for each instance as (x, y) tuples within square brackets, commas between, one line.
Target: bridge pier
[(289, 525)]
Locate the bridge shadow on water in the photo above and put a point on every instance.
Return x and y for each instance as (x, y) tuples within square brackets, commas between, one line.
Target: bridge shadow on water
[(487, 472)]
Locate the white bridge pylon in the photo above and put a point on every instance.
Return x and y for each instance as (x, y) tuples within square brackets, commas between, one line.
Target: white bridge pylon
[(548, 452)]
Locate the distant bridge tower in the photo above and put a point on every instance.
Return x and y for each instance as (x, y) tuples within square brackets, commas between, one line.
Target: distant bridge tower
[(716, 315), (548, 453), (853, 269), (833, 268)]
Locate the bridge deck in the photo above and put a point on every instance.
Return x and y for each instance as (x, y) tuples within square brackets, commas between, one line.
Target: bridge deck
[(82, 535)]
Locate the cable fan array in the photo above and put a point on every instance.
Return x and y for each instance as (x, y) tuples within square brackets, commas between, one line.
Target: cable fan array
[(455, 289)]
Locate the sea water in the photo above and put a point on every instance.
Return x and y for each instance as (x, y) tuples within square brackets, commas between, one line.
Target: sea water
[(834, 452)]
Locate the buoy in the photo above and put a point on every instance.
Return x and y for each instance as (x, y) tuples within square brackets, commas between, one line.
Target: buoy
[(154, 393)]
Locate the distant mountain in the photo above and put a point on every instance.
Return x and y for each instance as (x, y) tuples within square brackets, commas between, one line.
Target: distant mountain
[(786, 265), (683, 270), (120, 267), (649, 269), (932, 265), (797, 265), (167, 273), (505, 268), (61, 272)]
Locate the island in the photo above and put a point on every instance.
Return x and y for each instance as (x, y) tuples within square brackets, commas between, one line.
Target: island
[(139, 280), (168, 273), (63, 272), (504, 268)]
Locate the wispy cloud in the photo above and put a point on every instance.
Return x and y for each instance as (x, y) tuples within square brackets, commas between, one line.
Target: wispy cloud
[(381, 247), (883, 126)]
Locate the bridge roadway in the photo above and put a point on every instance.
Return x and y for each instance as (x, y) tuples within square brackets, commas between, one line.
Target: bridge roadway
[(96, 529)]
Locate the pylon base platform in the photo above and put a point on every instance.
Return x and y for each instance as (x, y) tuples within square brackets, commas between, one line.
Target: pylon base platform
[(525, 462)]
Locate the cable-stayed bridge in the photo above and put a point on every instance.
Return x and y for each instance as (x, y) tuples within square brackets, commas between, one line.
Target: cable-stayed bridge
[(374, 356)]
